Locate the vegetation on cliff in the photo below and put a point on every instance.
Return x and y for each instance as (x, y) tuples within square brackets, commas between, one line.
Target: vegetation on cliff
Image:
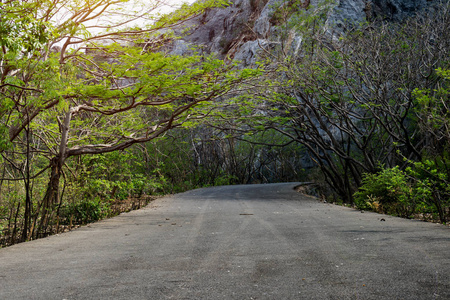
[(370, 105), (93, 114)]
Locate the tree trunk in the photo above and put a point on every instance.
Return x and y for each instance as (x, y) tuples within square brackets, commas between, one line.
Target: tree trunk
[(51, 197), (27, 214)]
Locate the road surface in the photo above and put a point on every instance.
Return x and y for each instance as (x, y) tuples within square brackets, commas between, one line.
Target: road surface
[(235, 242)]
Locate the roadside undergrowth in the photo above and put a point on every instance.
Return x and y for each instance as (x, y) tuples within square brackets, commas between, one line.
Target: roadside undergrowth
[(84, 213)]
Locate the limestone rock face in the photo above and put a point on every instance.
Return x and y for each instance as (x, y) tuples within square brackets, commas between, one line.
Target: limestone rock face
[(263, 22), (396, 9), (241, 29), (352, 12), (225, 31)]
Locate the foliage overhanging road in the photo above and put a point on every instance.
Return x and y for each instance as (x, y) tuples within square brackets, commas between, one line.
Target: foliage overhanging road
[(236, 242)]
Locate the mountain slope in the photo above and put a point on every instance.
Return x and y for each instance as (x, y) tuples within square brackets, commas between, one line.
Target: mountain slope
[(242, 29)]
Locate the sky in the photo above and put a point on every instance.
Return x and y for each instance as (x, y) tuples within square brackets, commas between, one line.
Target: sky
[(132, 5), (92, 26)]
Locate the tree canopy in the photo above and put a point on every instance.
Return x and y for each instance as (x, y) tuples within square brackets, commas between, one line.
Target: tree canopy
[(91, 77)]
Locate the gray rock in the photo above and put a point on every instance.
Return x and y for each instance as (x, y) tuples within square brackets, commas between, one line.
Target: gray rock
[(181, 47), (262, 24), (226, 31), (248, 52), (346, 13), (349, 13), (394, 9)]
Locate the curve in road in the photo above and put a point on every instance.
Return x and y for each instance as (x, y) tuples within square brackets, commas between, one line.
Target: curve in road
[(235, 242)]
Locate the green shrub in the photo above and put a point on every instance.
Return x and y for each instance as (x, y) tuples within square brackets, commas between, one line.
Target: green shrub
[(423, 189), (432, 186), (388, 191), (225, 179), (86, 211)]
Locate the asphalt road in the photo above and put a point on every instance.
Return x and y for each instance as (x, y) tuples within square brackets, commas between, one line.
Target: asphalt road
[(237, 242)]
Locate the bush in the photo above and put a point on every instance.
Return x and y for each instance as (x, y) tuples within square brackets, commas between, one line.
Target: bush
[(432, 186), (422, 189), (388, 191), (86, 211)]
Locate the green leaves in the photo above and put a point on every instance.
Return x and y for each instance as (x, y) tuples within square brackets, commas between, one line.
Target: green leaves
[(82, 77), (388, 191), (186, 11), (20, 30), (4, 138), (432, 107)]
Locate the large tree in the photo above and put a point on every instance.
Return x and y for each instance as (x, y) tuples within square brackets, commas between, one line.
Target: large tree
[(360, 102), (90, 77)]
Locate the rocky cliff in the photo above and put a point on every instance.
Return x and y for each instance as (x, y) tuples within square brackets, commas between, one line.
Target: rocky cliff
[(242, 29)]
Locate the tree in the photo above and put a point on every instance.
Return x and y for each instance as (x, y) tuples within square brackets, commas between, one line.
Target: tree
[(350, 99), (351, 102), (84, 79)]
